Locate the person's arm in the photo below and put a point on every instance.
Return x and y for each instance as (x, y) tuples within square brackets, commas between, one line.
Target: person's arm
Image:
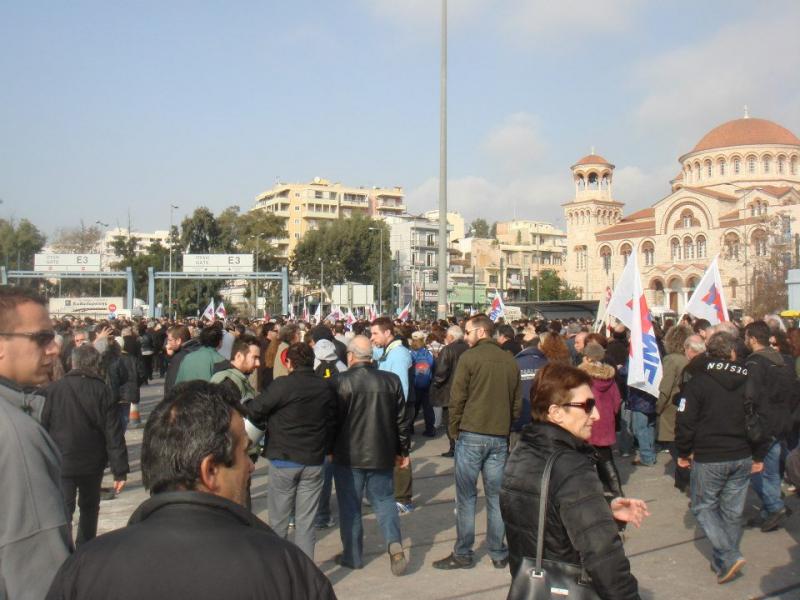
[(262, 406), (590, 526), (441, 372), (666, 387), (114, 437), (458, 395), (331, 425), (689, 406), (516, 394), (403, 410)]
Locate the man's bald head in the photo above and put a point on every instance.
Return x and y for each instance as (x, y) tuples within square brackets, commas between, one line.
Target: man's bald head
[(359, 350)]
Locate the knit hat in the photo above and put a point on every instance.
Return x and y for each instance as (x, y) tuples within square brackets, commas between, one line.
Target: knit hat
[(594, 351)]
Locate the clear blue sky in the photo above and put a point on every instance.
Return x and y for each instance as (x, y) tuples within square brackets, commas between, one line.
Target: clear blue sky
[(117, 107)]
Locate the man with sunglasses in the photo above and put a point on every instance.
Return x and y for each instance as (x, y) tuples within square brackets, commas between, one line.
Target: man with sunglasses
[(484, 401), (35, 539)]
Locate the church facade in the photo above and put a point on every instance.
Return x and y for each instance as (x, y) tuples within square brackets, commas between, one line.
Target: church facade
[(737, 195)]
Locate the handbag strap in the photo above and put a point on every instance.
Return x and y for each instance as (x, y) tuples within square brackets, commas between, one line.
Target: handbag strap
[(543, 497)]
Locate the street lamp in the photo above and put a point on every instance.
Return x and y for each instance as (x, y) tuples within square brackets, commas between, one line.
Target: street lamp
[(169, 241), (380, 271), (321, 285), (101, 255)]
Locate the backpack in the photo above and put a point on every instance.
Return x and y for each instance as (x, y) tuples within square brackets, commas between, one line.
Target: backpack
[(327, 369), (423, 368)]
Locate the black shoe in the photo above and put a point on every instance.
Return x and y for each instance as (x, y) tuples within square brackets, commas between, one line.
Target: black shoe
[(429, 433), (338, 560), (500, 564), (774, 520), (448, 454), (453, 562), (754, 522)]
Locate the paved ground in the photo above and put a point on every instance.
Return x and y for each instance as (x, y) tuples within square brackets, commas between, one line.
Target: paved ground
[(669, 554)]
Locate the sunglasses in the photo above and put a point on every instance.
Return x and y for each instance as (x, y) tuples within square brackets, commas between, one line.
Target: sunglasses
[(40, 338), (587, 406)]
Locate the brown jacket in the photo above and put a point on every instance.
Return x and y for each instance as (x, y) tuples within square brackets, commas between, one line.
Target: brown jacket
[(484, 395), (673, 365)]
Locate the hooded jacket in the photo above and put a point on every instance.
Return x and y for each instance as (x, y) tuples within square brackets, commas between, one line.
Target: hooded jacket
[(711, 419), (325, 350), (606, 395), (772, 388), (579, 526), (206, 532)]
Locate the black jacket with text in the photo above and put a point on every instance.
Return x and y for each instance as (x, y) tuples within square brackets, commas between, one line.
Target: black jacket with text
[(372, 422), (190, 545), (579, 526)]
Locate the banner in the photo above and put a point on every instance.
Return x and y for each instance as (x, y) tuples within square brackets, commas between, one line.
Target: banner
[(644, 367), (708, 300), (498, 309), (208, 313)]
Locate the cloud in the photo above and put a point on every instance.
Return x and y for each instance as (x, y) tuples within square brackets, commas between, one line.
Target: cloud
[(515, 144), (425, 13), (545, 18), (639, 188), (752, 62)]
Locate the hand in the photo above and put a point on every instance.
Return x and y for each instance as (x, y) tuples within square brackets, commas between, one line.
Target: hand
[(103, 333), (119, 485), (684, 463), (757, 467), (629, 510), (402, 462)]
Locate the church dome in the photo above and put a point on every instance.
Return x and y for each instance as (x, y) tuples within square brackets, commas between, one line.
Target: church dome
[(592, 159), (746, 132)]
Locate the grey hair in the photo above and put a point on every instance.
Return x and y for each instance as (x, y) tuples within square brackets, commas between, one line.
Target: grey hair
[(727, 327), (455, 332), (720, 345), (358, 346), (695, 343), (86, 358)]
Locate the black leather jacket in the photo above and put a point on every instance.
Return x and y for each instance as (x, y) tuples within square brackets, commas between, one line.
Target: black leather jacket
[(445, 367), (580, 526), (373, 423)]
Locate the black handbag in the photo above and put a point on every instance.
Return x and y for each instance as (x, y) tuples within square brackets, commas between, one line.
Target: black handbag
[(539, 579)]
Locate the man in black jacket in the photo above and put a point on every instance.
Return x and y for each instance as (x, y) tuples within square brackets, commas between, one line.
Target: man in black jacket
[(179, 345), (300, 414), (446, 364), (193, 538), (372, 439), (771, 387), (710, 436), (81, 416)]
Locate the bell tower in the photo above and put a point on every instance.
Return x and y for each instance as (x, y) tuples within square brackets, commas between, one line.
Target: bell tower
[(591, 210)]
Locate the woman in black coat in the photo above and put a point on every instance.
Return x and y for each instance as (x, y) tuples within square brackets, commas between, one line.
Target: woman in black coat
[(580, 525)]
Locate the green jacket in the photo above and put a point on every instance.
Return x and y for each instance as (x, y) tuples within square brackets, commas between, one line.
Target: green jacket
[(239, 379), (673, 365), (485, 394), (199, 365)]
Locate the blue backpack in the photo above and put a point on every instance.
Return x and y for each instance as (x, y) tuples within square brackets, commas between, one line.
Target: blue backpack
[(423, 368)]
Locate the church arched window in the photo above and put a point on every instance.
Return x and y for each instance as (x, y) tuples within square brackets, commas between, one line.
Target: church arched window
[(605, 255), (709, 169), (688, 247), (721, 167), (648, 251), (701, 246), (732, 246), (737, 165), (733, 284), (675, 249), (767, 163), (751, 164), (625, 252), (781, 164)]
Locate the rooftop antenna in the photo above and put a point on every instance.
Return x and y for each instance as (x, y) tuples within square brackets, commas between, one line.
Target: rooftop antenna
[(746, 112)]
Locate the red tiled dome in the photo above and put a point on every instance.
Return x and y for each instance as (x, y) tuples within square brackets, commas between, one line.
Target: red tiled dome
[(593, 159), (746, 132)]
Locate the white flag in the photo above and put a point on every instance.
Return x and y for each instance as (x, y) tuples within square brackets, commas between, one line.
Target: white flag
[(620, 305), (644, 366), (708, 300), (318, 314), (208, 313), (221, 312)]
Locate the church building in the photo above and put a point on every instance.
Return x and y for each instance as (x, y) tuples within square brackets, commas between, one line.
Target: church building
[(737, 195)]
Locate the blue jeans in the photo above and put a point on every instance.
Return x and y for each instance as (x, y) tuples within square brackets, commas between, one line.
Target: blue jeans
[(625, 437), (767, 484), (350, 487), (719, 491), (324, 509), (485, 455), (644, 428)]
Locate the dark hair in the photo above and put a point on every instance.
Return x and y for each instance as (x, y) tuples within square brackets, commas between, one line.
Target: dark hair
[(385, 324), (597, 338), (10, 298), (701, 325), (782, 342), (554, 385), (321, 332), (484, 322), (720, 345), (211, 336), (242, 344), (130, 345), (193, 421), (179, 332), (287, 332), (759, 331), (301, 355), (554, 348), (86, 358), (675, 338), (506, 331)]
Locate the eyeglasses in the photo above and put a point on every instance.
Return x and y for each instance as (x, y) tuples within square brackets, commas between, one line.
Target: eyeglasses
[(468, 331), (40, 338), (587, 406)]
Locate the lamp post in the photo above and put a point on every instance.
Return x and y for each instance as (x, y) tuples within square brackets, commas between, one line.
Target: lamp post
[(169, 241), (105, 225), (321, 285), (380, 271), (441, 304)]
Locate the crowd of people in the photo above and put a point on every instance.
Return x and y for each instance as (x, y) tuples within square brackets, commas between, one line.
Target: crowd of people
[(331, 406)]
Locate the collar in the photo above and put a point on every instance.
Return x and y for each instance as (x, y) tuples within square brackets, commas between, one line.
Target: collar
[(548, 435), (392, 345), (20, 389), (202, 499)]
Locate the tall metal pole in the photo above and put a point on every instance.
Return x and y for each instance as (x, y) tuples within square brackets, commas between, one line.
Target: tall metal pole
[(169, 241), (321, 285), (255, 304), (441, 305), (380, 276)]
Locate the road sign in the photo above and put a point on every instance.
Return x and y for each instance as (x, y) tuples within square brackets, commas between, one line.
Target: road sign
[(112, 308), (67, 263), (217, 263)]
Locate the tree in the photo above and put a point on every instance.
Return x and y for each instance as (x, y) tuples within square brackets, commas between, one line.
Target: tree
[(19, 242), (769, 258), (551, 287), (200, 233), (77, 240), (350, 249), (479, 228)]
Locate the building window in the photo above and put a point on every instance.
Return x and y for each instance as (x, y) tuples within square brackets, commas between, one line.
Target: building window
[(675, 249), (430, 240), (429, 259), (760, 243), (737, 166), (605, 254), (793, 165), (781, 164), (701, 246), (721, 166), (688, 248), (649, 254), (732, 246), (767, 164), (297, 221), (751, 164), (297, 236), (297, 207), (625, 251), (733, 284), (708, 169)]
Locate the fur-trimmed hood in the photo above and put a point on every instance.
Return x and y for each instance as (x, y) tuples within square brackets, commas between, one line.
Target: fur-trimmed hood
[(598, 370)]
